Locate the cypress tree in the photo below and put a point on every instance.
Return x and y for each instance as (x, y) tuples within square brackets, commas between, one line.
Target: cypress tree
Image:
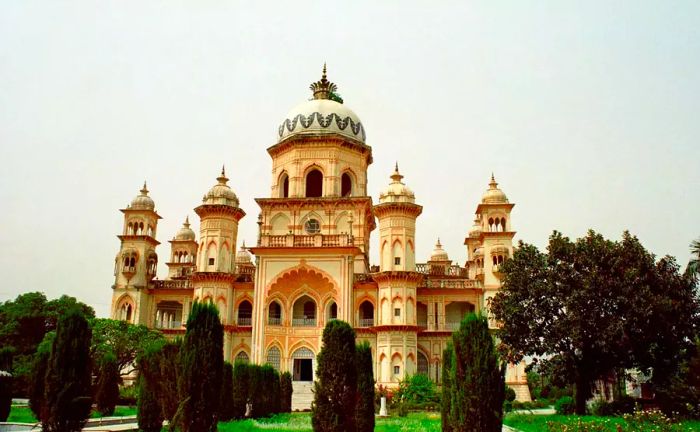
[(169, 399), (149, 410), (446, 399), (226, 399), (107, 393), (241, 385), (256, 397), (6, 382), (272, 381), (286, 391), (201, 365), (67, 387), (38, 374), (477, 379), (333, 408), (364, 413)]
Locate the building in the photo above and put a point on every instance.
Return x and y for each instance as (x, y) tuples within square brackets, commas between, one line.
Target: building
[(312, 259)]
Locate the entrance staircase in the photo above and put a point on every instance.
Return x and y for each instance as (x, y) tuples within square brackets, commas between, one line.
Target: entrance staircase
[(302, 395)]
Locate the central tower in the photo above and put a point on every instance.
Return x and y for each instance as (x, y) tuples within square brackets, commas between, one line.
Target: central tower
[(314, 231)]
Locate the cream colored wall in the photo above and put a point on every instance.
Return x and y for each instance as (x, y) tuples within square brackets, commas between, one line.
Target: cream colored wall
[(217, 239), (397, 234)]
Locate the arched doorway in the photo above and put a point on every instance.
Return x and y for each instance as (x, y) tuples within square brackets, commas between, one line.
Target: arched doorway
[(303, 365)]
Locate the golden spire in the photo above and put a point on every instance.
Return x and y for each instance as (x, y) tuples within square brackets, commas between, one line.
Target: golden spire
[(222, 179), (493, 184), (187, 221), (323, 88), (396, 176), (144, 189)]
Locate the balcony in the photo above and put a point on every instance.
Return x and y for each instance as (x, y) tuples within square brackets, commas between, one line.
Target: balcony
[(449, 283), (315, 240), (366, 322), (274, 321), (441, 270), (304, 322), (244, 321), (171, 284), (452, 326), (169, 325)]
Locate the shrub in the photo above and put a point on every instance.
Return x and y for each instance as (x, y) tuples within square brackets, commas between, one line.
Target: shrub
[(67, 401), (149, 410), (241, 386), (623, 405), (364, 412), (417, 389), (201, 364), (477, 379), (107, 394), (226, 399), (509, 394), (654, 420), (565, 405), (286, 392), (333, 408), (128, 395), (402, 409), (271, 384), (446, 398)]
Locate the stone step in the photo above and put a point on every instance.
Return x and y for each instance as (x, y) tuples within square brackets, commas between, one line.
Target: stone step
[(302, 395)]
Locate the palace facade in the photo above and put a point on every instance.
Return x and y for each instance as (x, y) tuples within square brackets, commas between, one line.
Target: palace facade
[(311, 259)]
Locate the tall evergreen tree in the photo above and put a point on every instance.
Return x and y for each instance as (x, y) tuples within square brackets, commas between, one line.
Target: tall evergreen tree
[(5, 382), (333, 409), (67, 400), (477, 379), (286, 391), (169, 371), (226, 400), (107, 393), (257, 398), (149, 410), (364, 412), (38, 374), (201, 366), (446, 399), (241, 386)]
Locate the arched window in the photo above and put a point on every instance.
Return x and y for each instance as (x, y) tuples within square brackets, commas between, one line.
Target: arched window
[(274, 314), (273, 357), (503, 224), (304, 312), (242, 357), (366, 314), (422, 364), (245, 313), (332, 312), (314, 184), (345, 185), (284, 186), (491, 227), (130, 229)]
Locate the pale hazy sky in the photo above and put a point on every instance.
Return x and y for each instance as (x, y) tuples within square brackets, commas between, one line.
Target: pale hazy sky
[(587, 112)]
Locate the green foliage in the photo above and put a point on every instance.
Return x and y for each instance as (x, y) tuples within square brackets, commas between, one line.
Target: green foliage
[(623, 405), (149, 410), (417, 389), (124, 340), (477, 379), (644, 316), (107, 394), (128, 395), (169, 398), (286, 391), (37, 378), (67, 402), (5, 382), (446, 398), (333, 408), (201, 365), (241, 388), (226, 399), (364, 412), (509, 394), (565, 405)]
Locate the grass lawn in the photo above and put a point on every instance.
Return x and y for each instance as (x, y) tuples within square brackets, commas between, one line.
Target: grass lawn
[(301, 422), (536, 423), (25, 415)]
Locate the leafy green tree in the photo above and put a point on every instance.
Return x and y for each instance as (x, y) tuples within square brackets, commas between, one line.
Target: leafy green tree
[(588, 308), (241, 388), (124, 340), (333, 408), (149, 410), (169, 398), (694, 265), (201, 366), (67, 400), (416, 389), (477, 379), (446, 399), (364, 412), (38, 374), (226, 400), (107, 393), (5, 382), (286, 391)]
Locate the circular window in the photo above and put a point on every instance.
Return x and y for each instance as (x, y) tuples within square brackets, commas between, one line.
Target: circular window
[(312, 226)]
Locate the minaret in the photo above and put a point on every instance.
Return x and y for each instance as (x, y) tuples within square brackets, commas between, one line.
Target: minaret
[(183, 252), (397, 282), (213, 279), (137, 261)]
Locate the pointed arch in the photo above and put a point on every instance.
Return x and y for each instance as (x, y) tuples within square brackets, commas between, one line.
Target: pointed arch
[(279, 224)]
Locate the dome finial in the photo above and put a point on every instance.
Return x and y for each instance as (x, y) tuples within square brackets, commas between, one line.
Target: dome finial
[(222, 179), (396, 176), (187, 221), (243, 246), (144, 189), (493, 184), (322, 89), (438, 245)]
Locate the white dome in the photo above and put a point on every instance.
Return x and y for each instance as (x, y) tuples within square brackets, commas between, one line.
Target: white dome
[(221, 193), (185, 233), (142, 201), (476, 229), (439, 254), (493, 194), (324, 114), (243, 256), (397, 191)]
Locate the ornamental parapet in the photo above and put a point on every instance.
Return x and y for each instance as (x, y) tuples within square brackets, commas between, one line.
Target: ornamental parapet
[(449, 283), (442, 270), (311, 240), (171, 284)]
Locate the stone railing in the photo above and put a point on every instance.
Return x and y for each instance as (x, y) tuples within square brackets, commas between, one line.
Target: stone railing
[(169, 325), (304, 322), (452, 326), (274, 321), (315, 240), (366, 322), (449, 283), (244, 321), (441, 270), (171, 284)]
